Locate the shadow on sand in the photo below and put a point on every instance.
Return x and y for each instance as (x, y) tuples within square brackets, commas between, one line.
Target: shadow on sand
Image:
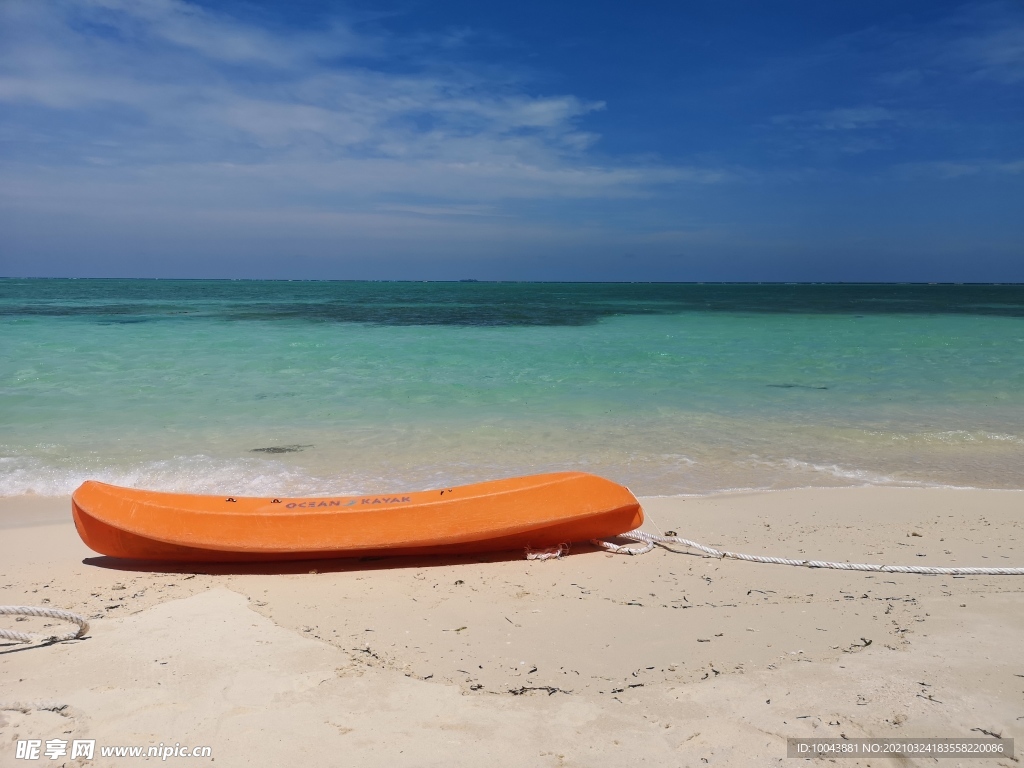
[(327, 565)]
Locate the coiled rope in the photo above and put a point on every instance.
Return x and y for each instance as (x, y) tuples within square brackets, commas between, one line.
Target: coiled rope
[(49, 613), (24, 637), (650, 540)]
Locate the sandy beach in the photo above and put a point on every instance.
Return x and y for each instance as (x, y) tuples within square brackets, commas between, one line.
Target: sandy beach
[(668, 659)]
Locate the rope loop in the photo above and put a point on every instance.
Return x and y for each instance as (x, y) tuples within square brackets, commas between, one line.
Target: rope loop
[(48, 613)]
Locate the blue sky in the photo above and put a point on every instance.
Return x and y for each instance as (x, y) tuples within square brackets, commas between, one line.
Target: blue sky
[(528, 140)]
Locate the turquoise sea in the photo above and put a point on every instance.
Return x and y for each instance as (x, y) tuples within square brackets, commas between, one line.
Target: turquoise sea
[(264, 387)]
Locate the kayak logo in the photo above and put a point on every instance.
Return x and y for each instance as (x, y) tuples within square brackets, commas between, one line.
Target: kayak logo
[(316, 503), (319, 503)]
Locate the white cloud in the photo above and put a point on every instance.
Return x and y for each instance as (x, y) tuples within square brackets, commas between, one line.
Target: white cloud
[(220, 38), (161, 100)]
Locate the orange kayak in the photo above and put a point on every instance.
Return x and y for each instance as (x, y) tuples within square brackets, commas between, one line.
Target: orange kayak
[(537, 511)]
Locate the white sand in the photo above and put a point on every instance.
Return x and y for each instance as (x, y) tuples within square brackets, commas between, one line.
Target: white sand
[(665, 659)]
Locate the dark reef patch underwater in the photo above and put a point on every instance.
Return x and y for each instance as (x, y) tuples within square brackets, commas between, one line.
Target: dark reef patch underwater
[(477, 303)]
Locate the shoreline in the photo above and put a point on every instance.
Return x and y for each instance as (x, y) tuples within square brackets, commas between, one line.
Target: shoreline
[(594, 659), (907, 485)]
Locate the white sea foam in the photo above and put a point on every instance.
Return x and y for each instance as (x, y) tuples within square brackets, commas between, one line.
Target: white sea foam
[(859, 476), (202, 474), (20, 475), (1004, 438), (950, 437), (680, 458), (55, 471), (961, 436)]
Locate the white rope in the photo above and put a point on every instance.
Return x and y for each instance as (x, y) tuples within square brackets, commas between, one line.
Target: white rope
[(624, 549), (650, 539), (49, 613)]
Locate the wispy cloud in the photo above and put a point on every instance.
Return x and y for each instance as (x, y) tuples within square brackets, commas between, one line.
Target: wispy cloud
[(962, 169), (987, 42), (845, 119), (842, 130), (978, 42), (925, 84), (162, 91)]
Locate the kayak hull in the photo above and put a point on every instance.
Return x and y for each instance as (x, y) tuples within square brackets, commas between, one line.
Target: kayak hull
[(526, 512)]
